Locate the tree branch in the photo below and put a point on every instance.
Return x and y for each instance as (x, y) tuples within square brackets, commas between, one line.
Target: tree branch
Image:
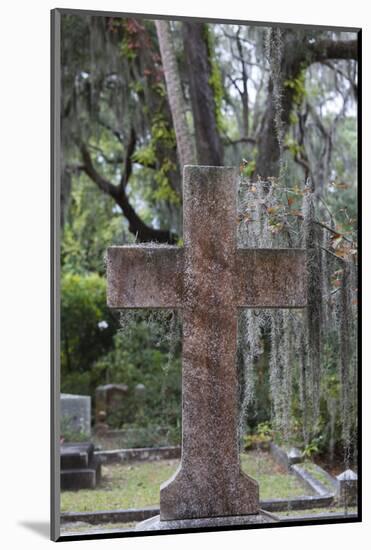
[(104, 184), (229, 141), (324, 226), (128, 164), (137, 227), (344, 75), (299, 159), (325, 49), (118, 135)]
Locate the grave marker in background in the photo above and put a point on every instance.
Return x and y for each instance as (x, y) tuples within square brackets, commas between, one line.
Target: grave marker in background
[(76, 412)]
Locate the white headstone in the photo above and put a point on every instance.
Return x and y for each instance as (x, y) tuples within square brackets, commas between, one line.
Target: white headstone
[(76, 411)]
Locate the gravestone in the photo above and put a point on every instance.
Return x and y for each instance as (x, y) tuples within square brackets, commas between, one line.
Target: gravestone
[(76, 412), (109, 398), (209, 279), (80, 469), (347, 488)]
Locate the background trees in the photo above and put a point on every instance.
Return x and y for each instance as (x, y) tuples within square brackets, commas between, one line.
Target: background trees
[(218, 93), (142, 98)]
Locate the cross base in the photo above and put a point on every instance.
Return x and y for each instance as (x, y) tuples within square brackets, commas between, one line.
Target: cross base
[(195, 491), (155, 524)]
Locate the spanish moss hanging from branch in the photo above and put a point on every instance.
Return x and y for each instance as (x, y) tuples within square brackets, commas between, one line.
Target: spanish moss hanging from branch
[(312, 351), (312, 238)]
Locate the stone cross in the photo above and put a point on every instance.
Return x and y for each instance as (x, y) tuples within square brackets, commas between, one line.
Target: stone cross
[(208, 280)]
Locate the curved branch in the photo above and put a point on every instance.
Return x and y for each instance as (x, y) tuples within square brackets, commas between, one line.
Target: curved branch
[(104, 184), (137, 227), (325, 49), (229, 141)]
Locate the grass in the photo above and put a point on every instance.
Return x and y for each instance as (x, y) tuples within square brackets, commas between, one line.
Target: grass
[(273, 481), (137, 485)]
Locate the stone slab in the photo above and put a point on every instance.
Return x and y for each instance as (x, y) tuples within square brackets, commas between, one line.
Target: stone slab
[(84, 478), (285, 458), (156, 524), (311, 482), (298, 503), (76, 455)]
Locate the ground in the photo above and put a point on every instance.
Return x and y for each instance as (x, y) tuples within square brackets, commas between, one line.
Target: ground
[(137, 484)]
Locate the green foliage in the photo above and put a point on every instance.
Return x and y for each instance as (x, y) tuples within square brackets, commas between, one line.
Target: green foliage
[(69, 433), (260, 439), (310, 450), (248, 169), (139, 358), (216, 84), (91, 226), (136, 86), (127, 50), (93, 353), (161, 132), (215, 79), (297, 85), (293, 146), (164, 190), (162, 136), (83, 340), (100, 110), (145, 155)]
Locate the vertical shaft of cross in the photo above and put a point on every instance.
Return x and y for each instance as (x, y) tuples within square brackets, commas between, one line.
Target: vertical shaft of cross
[(210, 459), (209, 321)]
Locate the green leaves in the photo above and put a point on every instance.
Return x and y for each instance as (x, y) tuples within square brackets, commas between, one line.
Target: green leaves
[(297, 85), (83, 308), (145, 155)]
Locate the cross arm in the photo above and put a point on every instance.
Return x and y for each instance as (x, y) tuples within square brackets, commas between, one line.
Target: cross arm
[(271, 278), (144, 276)]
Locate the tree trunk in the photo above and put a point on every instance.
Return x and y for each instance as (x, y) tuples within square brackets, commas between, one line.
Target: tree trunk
[(175, 94), (208, 142), (296, 57), (267, 162)]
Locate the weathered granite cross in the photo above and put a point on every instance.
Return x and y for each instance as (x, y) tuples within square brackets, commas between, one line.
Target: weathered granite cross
[(208, 279)]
